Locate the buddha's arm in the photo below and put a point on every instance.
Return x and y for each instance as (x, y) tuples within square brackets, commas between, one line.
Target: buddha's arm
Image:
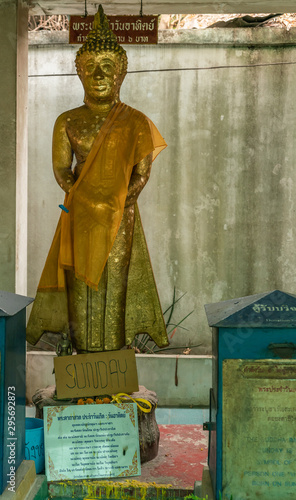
[(62, 155), (139, 178)]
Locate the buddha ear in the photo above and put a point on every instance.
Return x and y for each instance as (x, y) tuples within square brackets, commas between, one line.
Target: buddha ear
[(80, 75), (123, 69), (78, 68), (122, 76)]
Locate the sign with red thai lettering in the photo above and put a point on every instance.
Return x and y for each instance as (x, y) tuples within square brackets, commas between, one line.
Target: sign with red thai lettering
[(135, 30)]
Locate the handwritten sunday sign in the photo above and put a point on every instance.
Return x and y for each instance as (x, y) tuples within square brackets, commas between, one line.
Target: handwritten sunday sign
[(128, 29), (93, 374), (91, 441)]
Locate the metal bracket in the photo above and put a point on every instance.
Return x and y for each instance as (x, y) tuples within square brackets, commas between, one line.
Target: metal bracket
[(209, 426)]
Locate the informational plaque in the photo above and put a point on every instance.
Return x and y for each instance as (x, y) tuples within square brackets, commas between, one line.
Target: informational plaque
[(128, 29), (94, 374), (259, 429), (91, 441)]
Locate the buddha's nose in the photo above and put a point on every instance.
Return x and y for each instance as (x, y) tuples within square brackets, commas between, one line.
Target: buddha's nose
[(98, 73)]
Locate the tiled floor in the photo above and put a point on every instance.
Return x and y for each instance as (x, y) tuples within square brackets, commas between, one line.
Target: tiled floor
[(182, 455)]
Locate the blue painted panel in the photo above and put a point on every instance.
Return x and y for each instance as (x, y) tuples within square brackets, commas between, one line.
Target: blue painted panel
[(243, 343), (252, 343), (13, 376), (212, 446), (214, 408), (219, 427), (2, 398)]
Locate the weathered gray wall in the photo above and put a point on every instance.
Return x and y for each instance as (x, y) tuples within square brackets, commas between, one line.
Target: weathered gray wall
[(219, 209)]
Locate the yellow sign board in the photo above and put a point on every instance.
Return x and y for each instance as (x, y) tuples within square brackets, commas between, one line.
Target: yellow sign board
[(94, 374)]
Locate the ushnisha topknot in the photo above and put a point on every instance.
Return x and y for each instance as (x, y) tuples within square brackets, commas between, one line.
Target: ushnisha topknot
[(101, 38)]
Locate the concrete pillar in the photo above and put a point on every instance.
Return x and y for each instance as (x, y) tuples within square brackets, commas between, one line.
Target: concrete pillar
[(13, 144)]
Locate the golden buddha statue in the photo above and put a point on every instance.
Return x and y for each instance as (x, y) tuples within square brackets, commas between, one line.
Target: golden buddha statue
[(97, 284)]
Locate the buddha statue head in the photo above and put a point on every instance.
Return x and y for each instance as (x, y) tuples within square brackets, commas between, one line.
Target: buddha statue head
[(101, 62)]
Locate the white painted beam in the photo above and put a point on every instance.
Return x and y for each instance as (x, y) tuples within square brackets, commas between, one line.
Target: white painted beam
[(76, 7)]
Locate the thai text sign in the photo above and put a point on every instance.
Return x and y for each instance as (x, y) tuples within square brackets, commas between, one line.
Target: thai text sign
[(91, 441), (128, 29), (259, 439), (94, 374)]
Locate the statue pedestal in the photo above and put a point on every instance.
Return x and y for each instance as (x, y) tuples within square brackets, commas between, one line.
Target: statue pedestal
[(148, 428)]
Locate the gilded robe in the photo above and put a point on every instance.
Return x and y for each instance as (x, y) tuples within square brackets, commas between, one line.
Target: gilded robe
[(82, 259)]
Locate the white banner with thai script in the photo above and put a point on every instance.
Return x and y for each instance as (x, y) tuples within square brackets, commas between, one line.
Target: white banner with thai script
[(91, 441)]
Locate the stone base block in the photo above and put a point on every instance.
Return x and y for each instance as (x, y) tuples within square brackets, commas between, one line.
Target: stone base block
[(24, 480), (128, 489)]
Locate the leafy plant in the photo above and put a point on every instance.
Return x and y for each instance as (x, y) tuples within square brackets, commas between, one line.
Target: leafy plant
[(194, 497), (143, 342)]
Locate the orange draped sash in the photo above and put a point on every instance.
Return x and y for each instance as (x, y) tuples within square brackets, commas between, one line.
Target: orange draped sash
[(84, 237)]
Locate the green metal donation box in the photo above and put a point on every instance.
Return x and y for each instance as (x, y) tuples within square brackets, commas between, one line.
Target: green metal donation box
[(12, 386), (252, 428)]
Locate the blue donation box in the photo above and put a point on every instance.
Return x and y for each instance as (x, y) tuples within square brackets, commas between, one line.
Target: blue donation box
[(12, 385), (252, 428)]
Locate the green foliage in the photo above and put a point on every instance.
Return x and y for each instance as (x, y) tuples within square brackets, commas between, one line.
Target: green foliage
[(143, 343), (194, 497)]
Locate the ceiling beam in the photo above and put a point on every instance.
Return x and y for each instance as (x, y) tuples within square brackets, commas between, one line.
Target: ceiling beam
[(76, 7)]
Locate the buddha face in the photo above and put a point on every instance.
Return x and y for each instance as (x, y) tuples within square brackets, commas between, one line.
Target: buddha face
[(101, 75)]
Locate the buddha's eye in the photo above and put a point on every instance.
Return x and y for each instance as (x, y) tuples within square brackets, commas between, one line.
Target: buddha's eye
[(89, 67), (108, 68)]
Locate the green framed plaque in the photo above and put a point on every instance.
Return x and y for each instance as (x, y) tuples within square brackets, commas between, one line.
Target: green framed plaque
[(259, 429), (91, 441)]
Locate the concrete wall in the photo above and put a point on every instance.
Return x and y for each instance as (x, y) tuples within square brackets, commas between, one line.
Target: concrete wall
[(171, 384), (219, 209)]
